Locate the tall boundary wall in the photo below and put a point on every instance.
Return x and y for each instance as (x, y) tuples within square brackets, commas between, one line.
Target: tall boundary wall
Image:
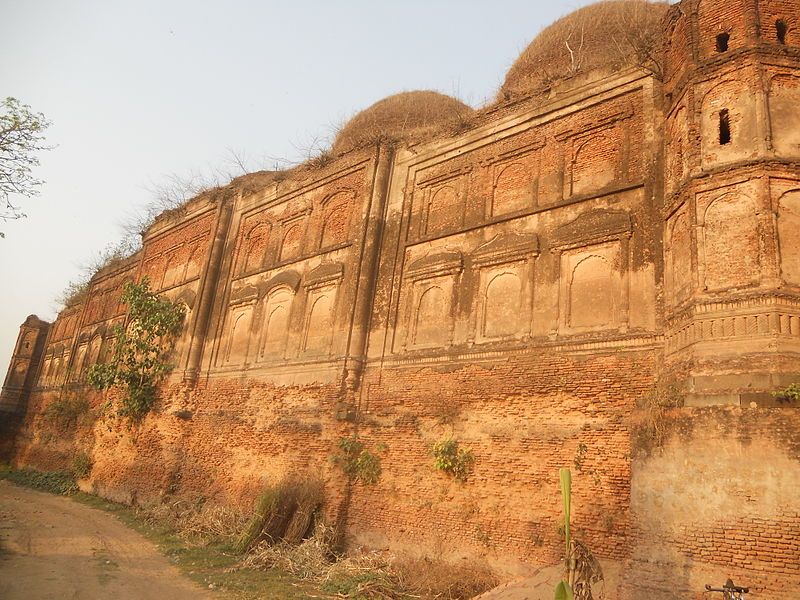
[(602, 274)]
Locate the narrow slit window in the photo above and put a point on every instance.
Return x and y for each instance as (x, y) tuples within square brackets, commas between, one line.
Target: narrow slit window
[(722, 42), (724, 127), (780, 31)]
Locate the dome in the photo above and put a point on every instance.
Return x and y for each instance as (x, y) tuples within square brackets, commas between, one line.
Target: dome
[(600, 38), (404, 116)]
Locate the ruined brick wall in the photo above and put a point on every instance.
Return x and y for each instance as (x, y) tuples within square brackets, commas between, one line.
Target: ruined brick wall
[(528, 287), (718, 501)]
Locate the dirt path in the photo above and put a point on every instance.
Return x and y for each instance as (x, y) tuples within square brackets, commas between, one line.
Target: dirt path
[(54, 548)]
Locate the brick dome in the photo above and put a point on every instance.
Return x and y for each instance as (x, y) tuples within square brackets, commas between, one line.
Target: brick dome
[(404, 116), (600, 37)]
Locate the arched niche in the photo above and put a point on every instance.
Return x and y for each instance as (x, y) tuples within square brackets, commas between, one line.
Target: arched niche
[(502, 305), (512, 189), (784, 103), (679, 258), (595, 163), (239, 335), (277, 310), (444, 210), (319, 327), (789, 236), (79, 364), (27, 343), (430, 318), (677, 146), (95, 347), (291, 242), (19, 374), (194, 264), (336, 219), (730, 242), (255, 247), (173, 270), (591, 293)]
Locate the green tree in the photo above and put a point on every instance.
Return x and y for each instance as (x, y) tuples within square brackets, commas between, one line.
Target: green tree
[(21, 137), (141, 350)]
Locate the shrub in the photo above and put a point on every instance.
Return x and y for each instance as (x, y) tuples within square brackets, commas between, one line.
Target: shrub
[(788, 394), (452, 459), (141, 350), (284, 512), (55, 482), (81, 465), (357, 462), (66, 413), (651, 426)]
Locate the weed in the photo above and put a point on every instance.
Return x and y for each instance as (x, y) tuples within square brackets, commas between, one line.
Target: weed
[(483, 536), (452, 459), (357, 462), (651, 425), (81, 465), (789, 394), (55, 482), (580, 456), (66, 413)]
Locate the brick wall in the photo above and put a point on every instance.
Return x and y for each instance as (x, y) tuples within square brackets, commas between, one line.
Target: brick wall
[(526, 287)]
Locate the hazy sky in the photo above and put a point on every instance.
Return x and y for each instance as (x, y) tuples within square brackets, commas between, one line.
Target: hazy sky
[(140, 90)]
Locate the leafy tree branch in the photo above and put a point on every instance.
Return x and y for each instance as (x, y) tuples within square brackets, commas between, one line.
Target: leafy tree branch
[(141, 350), (21, 136)]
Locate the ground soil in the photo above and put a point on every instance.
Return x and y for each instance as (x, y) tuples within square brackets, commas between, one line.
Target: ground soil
[(54, 548)]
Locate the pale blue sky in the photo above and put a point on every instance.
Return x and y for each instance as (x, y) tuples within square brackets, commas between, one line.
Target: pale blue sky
[(138, 90)]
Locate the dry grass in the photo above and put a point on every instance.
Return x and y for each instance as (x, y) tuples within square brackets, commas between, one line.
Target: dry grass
[(651, 421), (309, 559), (405, 116), (608, 35), (371, 575), (198, 522), (284, 513), (435, 578)]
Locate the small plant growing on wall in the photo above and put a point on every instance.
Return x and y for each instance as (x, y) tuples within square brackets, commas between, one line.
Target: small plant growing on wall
[(81, 465), (450, 458), (67, 413), (790, 394), (141, 350), (357, 461), (651, 427)]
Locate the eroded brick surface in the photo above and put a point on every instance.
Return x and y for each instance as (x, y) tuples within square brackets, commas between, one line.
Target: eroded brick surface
[(533, 287)]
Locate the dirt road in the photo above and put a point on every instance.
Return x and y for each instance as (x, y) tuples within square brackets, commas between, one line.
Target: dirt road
[(54, 548)]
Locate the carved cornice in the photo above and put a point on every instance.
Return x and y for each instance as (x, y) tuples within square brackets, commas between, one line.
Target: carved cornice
[(593, 227), (506, 248), (443, 263), (325, 274)]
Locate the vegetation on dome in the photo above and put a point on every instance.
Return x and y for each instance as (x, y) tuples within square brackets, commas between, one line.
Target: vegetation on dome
[(604, 36), (405, 116)]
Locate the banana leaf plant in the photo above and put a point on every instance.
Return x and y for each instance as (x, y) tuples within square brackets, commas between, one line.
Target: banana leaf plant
[(564, 589)]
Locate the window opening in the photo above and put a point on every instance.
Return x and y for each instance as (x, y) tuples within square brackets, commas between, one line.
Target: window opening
[(724, 127), (722, 42), (780, 31)]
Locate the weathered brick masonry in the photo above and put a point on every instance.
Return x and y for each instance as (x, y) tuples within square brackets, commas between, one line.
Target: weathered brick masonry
[(526, 279)]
